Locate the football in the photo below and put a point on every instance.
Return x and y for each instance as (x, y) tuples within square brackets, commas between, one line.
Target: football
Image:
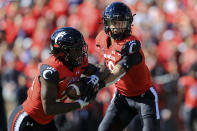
[(74, 90)]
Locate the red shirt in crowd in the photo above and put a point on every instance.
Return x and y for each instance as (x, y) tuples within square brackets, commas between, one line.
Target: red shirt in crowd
[(190, 85)]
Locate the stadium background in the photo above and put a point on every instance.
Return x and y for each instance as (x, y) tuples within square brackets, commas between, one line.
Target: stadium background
[(167, 29)]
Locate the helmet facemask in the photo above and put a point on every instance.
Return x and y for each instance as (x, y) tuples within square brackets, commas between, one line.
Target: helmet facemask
[(118, 29), (74, 55)]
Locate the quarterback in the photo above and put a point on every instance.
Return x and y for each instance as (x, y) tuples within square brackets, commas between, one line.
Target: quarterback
[(124, 57)]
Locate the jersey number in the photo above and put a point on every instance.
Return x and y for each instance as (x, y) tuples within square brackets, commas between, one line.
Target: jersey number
[(111, 65)]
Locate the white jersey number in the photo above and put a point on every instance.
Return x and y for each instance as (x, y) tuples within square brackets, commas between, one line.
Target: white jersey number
[(111, 65)]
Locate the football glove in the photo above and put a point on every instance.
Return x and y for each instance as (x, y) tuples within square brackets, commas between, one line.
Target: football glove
[(90, 85)]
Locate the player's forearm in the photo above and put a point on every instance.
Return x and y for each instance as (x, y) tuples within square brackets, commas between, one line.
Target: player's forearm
[(59, 107), (115, 75), (123, 66)]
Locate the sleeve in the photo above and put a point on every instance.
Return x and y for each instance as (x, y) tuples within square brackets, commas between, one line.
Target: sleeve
[(49, 73), (130, 60), (131, 47)]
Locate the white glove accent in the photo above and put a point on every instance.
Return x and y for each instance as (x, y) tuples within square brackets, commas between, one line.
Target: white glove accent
[(82, 103), (94, 79)]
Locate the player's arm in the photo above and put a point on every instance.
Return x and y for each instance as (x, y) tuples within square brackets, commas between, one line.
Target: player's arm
[(94, 69), (130, 56), (122, 67), (49, 79)]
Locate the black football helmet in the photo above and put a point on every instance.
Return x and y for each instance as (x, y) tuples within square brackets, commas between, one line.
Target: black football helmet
[(69, 44), (117, 11)]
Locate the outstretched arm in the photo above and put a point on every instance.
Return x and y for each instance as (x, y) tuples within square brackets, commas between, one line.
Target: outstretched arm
[(121, 68), (131, 56)]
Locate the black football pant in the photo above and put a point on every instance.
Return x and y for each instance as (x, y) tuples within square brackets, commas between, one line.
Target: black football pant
[(123, 109), (21, 121), (190, 117)]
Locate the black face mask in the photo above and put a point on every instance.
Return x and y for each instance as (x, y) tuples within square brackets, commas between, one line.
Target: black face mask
[(125, 32), (74, 56), (119, 36)]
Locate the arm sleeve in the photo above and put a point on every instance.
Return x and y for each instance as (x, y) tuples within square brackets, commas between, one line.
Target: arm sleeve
[(131, 47), (49, 73), (130, 60)]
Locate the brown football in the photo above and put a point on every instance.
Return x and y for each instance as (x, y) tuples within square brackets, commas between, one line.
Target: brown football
[(73, 90)]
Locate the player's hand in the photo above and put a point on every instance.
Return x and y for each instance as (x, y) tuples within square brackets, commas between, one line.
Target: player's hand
[(90, 85), (131, 47)]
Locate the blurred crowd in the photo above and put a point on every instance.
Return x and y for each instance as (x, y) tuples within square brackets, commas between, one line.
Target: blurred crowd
[(167, 30)]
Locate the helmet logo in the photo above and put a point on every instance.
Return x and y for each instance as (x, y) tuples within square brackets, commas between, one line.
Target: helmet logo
[(61, 34)]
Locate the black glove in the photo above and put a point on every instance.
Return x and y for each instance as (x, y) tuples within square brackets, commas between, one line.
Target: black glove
[(90, 86), (101, 85), (88, 97), (131, 47)]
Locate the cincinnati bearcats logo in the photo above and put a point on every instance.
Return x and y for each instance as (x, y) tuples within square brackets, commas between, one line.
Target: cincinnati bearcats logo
[(46, 73), (131, 44), (61, 34)]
